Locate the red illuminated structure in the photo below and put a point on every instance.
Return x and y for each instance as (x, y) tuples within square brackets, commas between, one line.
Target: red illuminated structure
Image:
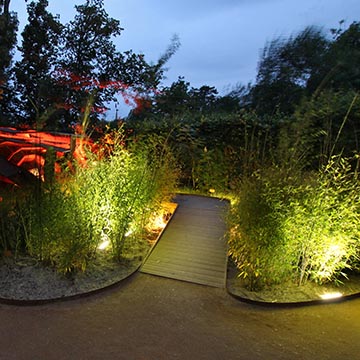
[(23, 153)]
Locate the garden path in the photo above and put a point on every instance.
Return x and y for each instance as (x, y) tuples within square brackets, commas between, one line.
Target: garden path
[(155, 318), (193, 246)]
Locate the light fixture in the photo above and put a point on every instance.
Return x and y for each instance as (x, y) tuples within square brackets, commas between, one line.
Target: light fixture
[(331, 295), (104, 245)]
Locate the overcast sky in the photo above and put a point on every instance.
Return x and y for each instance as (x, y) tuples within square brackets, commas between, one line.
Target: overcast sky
[(220, 39)]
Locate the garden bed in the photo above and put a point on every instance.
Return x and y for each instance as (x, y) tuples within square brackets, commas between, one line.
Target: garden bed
[(289, 292), (26, 280)]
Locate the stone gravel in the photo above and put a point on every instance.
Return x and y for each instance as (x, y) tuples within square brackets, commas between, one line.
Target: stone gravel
[(27, 279)]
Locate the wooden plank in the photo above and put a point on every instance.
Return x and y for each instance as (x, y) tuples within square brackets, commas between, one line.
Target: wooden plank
[(192, 248)]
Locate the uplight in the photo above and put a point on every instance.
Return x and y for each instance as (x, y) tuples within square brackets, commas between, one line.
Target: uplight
[(128, 233), (332, 295), (159, 222), (104, 245)]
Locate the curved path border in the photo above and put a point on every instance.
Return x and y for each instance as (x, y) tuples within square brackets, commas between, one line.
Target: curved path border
[(251, 300), (81, 295)]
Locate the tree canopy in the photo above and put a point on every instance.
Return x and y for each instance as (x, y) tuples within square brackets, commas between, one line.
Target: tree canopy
[(66, 71), (66, 68), (303, 65), (39, 52)]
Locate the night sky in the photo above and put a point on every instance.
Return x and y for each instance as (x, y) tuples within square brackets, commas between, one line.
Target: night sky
[(221, 41)]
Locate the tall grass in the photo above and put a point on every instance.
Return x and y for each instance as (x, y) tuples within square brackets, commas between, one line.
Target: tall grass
[(291, 227), (10, 231), (107, 202), (297, 215)]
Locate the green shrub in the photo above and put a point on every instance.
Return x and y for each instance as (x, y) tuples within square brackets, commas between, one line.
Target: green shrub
[(110, 200), (324, 223), (55, 229), (257, 242), (215, 149), (10, 232), (292, 226)]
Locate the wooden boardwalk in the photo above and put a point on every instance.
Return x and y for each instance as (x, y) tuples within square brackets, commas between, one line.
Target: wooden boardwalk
[(193, 246)]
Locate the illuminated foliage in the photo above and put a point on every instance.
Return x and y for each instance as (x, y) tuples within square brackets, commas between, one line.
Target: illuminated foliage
[(287, 226), (111, 199)]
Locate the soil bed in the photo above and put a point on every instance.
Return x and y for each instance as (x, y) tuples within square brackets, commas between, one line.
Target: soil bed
[(290, 292), (25, 279)]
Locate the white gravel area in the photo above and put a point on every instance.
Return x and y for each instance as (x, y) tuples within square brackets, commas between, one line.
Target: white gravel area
[(27, 279)]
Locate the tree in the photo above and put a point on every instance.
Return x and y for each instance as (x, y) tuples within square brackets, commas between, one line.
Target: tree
[(227, 104), (69, 73), (39, 51), (203, 100), (133, 71), (329, 117), (88, 57), (8, 29), (88, 40), (238, 97), (145, 79), (174, 100), (95, 67), (343, 60), (285, 69), (179, 99), (158, 69)]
